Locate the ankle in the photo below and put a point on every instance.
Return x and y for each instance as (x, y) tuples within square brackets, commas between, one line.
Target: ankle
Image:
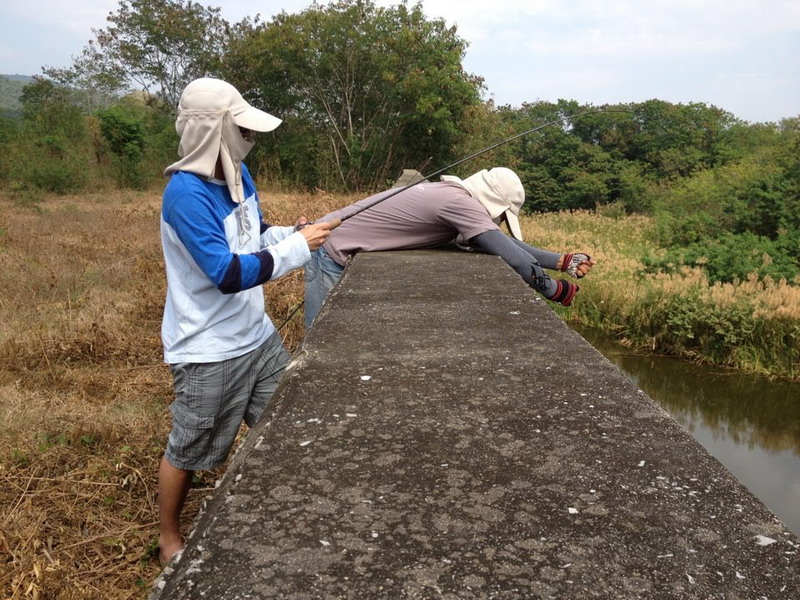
[(168, 547)]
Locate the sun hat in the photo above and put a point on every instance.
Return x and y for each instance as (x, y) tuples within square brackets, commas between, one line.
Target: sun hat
[(211, 114), (209, 94), (500, 191)]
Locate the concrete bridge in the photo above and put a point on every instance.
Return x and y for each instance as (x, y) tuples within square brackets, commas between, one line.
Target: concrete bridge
[(443, 434)]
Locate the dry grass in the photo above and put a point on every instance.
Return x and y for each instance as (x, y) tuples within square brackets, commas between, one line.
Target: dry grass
[(84, 394), (749, 325), (618, 244)]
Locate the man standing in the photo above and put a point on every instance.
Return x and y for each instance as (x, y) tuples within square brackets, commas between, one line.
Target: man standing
[(224, 352)]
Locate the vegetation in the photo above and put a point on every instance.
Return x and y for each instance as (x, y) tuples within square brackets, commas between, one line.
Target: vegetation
[(10, 91), (84, 285), (157, 45), (367, 91), (692, 215), (84, 290), (751, 324)]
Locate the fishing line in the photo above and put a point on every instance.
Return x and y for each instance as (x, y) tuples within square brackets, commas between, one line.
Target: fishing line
[(338, 221), (334, 223)]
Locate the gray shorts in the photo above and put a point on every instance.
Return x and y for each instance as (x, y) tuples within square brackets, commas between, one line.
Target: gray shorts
[(212, 400)]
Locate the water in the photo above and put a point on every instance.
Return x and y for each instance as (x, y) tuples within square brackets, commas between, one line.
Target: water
[(747, 422)]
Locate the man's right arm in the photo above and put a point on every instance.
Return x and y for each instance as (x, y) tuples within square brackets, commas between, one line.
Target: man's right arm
[(526, 265), (200, 229)]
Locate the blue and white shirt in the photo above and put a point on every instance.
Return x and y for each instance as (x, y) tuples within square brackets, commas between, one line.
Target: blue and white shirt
[(217, 255)]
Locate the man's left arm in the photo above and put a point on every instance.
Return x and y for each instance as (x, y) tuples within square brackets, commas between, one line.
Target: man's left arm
[(498, 243)]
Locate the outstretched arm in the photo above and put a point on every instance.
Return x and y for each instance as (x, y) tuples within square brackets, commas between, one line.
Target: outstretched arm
[(549, 260), (526, 265), (576, 264)]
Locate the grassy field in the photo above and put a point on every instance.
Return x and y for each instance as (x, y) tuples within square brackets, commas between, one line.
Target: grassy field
[(752, 325), (83, 391), (84, 395)]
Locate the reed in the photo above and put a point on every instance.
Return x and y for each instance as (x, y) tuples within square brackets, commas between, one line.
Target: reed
[(84, 395), (751, 325)]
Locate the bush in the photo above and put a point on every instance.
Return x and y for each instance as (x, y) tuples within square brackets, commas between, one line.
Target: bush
[(124, 135), (723, 326), (49, 150), (9, 128), (730, 258), (51, 163), (161, 143), (58, 176)]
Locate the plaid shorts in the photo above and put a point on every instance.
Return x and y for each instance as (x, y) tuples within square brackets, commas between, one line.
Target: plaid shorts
[(212, 400)]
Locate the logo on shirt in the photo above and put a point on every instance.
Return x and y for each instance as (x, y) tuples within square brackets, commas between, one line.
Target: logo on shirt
[(243, 225)]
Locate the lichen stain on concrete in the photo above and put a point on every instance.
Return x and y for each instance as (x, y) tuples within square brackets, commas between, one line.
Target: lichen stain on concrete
[(445, 435)]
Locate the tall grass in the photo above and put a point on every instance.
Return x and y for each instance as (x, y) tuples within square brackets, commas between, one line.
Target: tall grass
[(750, 325), (84, 395)]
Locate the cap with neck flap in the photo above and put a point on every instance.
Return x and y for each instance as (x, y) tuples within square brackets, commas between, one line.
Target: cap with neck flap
[(210, 113), (500, 191)]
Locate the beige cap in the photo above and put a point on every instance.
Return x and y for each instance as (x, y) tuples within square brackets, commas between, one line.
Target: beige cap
[(207, 94), (500, 191), (210, 115)]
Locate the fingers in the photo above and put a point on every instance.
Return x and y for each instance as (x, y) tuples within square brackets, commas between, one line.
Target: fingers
[(577, 264), (316, 234), (584, 268)]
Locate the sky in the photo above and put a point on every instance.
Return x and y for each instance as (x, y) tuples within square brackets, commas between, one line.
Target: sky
[(742, 56)]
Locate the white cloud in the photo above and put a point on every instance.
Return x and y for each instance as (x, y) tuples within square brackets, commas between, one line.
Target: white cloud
[(73, 17), (733, 53), (620, 27)]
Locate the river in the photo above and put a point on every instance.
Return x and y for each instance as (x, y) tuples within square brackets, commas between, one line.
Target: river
[(749, 423)]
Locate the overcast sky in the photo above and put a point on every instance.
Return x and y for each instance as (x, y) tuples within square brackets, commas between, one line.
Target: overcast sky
[(740, 55)]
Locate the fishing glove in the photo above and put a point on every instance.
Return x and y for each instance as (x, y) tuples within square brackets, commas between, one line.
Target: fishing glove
[(565, 292), (572, 261)]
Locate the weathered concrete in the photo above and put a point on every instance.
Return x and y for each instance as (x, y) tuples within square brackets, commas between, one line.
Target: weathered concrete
[(443, 434)]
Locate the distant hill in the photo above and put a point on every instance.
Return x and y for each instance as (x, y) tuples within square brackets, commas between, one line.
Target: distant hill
[(15, 77), (10, 90)]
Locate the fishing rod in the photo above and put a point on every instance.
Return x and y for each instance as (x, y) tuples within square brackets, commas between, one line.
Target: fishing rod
[(334, 223)]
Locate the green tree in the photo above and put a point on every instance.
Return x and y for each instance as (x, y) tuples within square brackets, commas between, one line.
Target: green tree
[(364, 91), (158, 46), (730, 257), (124, 133), (676, 140), (52, 151), (9, 132), (788, 159), (740, 217), (569, 164)]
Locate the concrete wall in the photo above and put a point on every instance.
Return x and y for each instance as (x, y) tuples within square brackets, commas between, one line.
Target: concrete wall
[(443, 434)]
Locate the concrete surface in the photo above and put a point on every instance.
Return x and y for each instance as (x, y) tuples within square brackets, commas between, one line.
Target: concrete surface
[(443, 434)]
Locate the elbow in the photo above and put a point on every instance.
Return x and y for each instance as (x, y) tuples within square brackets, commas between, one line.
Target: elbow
[(235, 280), (232, 281), (266, 266)]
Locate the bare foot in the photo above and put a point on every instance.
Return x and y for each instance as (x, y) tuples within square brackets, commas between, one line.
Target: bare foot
[(167, 551)]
